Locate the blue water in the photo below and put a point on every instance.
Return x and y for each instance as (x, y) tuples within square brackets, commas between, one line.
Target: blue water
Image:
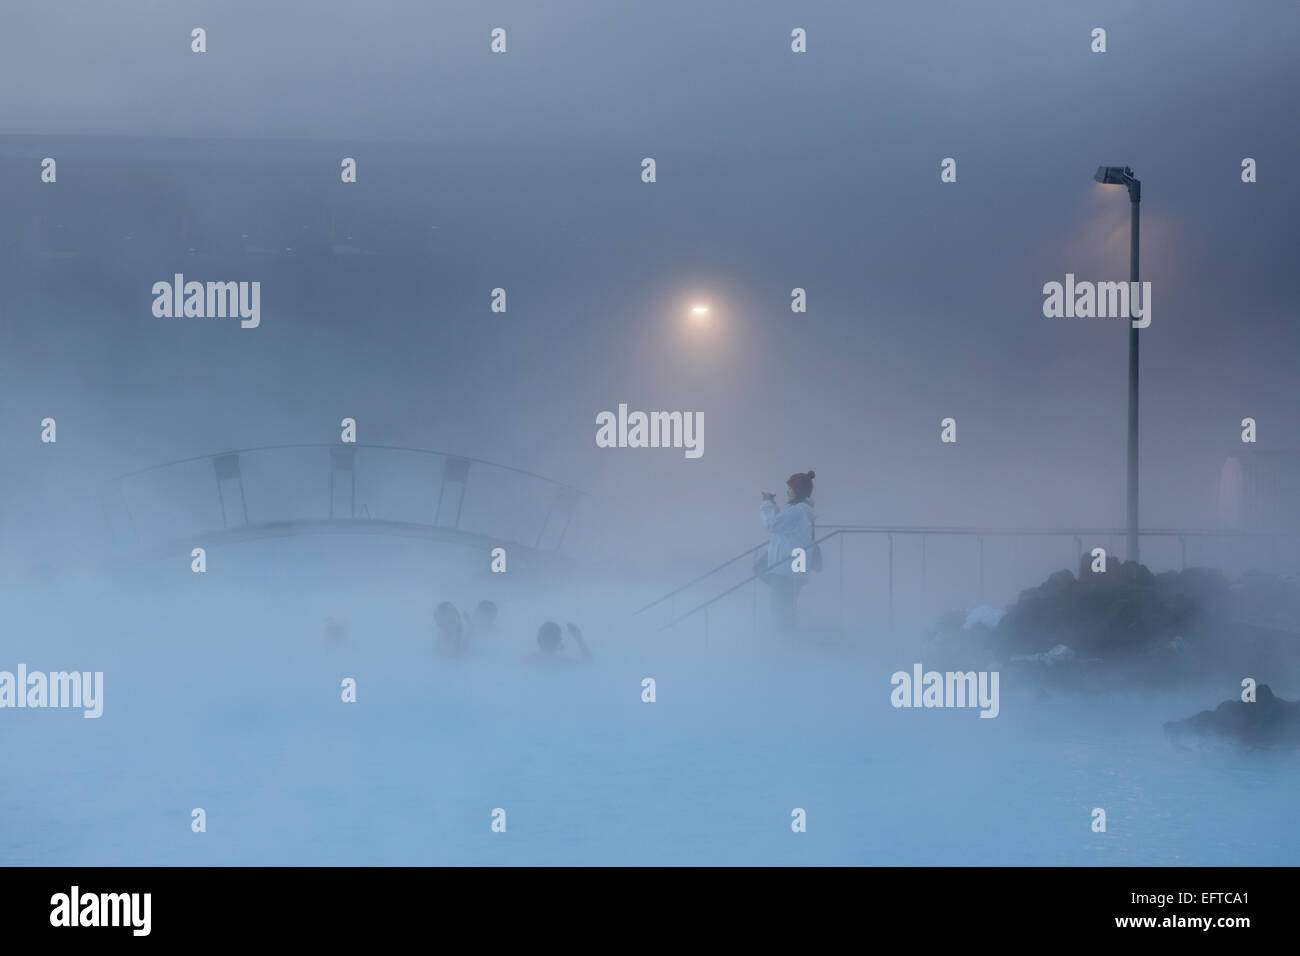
[(588, 773), (238, 711)]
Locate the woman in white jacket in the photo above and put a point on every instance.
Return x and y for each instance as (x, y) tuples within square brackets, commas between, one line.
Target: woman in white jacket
[(792, 528)]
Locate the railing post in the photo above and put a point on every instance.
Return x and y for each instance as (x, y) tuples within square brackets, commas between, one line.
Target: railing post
[(226, 468), (891, 572), (923, 537), (841, 581)]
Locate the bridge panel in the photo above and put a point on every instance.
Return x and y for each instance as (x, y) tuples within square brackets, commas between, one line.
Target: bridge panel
[(314, 489)]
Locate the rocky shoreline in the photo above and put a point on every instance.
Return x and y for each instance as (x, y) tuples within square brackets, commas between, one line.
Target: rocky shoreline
[(1127, 629)]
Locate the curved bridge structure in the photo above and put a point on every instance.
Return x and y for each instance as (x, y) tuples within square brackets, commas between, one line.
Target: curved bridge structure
[(302, 489)]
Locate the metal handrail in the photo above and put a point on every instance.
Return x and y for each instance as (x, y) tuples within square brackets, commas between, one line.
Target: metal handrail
[(752, 577), (1062, 532), (113, 491), (721, 567), (695, 581), (418, 451), (979, 532)]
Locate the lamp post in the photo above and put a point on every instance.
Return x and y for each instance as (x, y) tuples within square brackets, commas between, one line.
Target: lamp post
[(1123, 176)]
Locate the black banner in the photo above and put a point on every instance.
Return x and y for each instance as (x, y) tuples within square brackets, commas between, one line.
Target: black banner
[(329, 905)]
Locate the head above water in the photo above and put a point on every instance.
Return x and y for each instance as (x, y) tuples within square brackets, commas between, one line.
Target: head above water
[(446, 617), (486, 612), (548, 637), (799, 486)]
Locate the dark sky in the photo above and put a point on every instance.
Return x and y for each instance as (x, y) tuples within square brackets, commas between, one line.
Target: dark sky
[(775, 170)]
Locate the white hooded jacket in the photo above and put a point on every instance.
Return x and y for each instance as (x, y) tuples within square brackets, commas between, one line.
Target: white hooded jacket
[(791, 528)]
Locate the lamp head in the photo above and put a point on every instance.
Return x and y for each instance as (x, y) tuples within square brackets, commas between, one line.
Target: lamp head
[(1120, 176), (1114, 175)]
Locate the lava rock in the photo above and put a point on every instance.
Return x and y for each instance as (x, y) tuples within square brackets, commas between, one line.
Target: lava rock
[(1269, 722)]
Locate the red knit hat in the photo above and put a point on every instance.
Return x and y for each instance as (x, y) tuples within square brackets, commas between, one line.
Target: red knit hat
[(802, 483)]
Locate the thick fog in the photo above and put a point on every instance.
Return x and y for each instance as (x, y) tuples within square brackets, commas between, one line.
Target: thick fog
[(523, 171), (775, 171)]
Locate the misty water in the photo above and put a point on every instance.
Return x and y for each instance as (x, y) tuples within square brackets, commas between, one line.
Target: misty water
[(855, 301), (222, 691)]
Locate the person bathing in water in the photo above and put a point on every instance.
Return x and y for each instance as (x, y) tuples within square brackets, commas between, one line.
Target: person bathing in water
[(449, 638), (484, 620), (480, 637), (791, 528), (549, 651)]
